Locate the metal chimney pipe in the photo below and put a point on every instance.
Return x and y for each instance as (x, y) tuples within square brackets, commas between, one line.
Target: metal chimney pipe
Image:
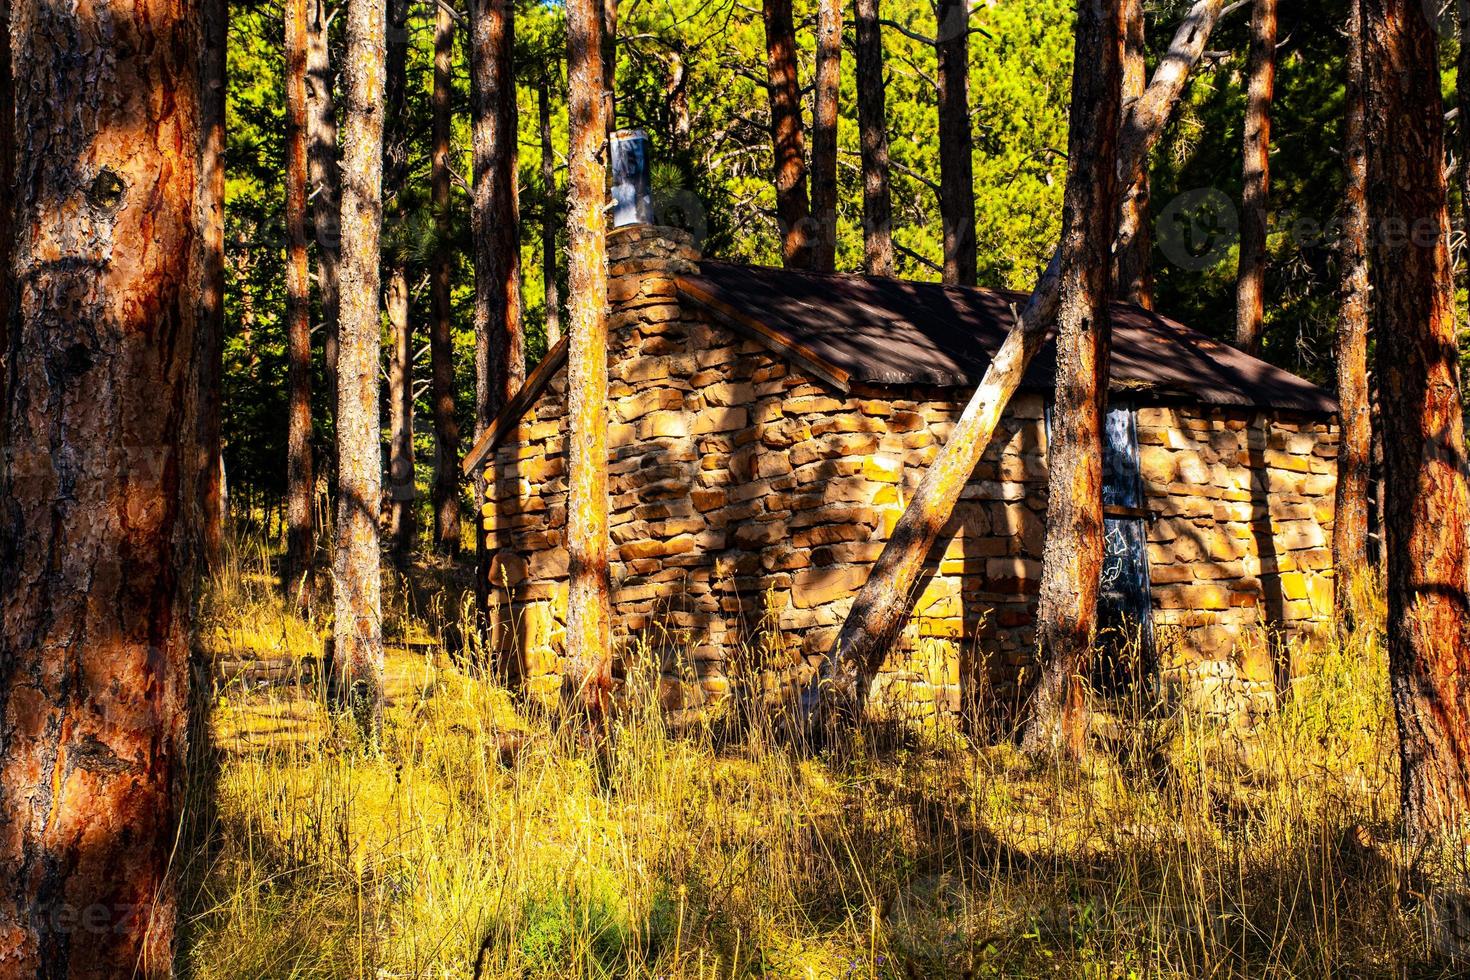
[(632, 178)]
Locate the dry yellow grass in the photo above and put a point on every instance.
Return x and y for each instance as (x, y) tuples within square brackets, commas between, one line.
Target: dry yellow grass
[(478, 839)]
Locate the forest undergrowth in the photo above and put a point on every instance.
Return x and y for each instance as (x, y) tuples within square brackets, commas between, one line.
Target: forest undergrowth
[(478, 838)]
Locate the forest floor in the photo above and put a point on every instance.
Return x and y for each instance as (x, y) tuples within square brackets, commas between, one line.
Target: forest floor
[(475, 838)]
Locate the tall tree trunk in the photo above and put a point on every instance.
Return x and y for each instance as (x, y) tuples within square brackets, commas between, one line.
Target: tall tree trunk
[(878, 613), (96, 508), (326, 182), (494, 220), (1355, 442), (956, 168), (1424, 454), (548, 215), (7, 192), (676, 96), (824, 135), (1133, 275), (588, 635), (401, 528), (208, 469), (610, 62), (396, 295), (300, 532), (358, 630), (1072, 561), (873, 136), (793, 209), (1250, 279), (445, 494)]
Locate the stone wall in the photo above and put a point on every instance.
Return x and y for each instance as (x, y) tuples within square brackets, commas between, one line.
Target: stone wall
[(1240, 550), (749, 499)]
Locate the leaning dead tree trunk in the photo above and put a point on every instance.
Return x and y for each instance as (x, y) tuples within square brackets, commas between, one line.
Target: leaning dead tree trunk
[(1250, 281), (1073, 555), (358, 629), (444, 497), (878, 613), (793, 208), (873, 139), (824, 135), (326, 181), (1149, 113), (300, 530), (1355, 441), (956, 167), (95, 504), (549, 209), (1133, 269), (588, 635), (1428, 500)]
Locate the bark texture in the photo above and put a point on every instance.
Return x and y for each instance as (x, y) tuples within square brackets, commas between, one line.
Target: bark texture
[(209, 347), (358, 629), (7, 182), (326, 182), (397, 300), (401, 528), (445, 492), (873, 136), (1133, 273), (495, 211), (300, 533), (824, 135), (880, 609), (1250, 279), (788, 140), (549, 209), (589, 642), (1073, 553), (95, 500), (956, 166), (1428, 502), (1355, 443)]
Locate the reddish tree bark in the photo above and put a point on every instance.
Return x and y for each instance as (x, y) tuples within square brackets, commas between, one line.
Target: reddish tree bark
[(1072, 561), (495, 212), (1428, 501), (956, 166), (7, 179), (208, 467), (1355, 442), (788, 141), (588, 636), (95, 497), (445, 492), (1133, 272), (300, 530), (548, 215), (1250, 281), (877, 615), (358, 627), (824, 135), (326, 182), (873, 136)]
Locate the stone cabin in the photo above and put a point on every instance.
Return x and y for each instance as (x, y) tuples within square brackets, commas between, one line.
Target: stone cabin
[(767, 428)]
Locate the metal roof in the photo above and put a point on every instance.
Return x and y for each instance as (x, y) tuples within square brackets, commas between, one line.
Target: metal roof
[(893, 332)]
